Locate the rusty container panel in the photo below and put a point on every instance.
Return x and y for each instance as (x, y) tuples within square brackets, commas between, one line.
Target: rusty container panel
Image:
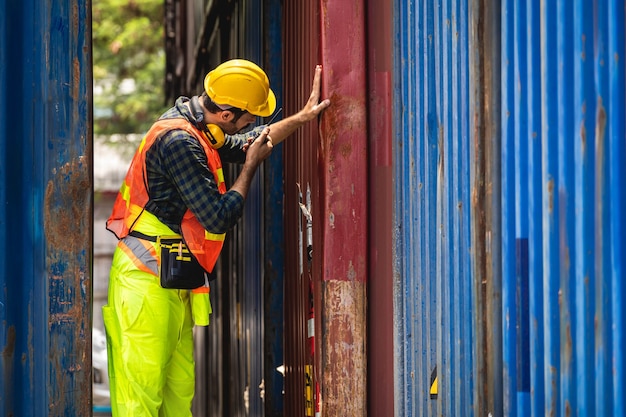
[(326, 212), (301, 190), (46, 208), (485, 214), (380, 374), (343, 157)]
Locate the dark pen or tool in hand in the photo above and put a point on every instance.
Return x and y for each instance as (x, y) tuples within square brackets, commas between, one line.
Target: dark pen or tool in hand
[(268, 123)]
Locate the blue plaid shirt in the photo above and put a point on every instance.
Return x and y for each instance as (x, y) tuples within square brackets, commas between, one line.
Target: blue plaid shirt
[(179, 177)]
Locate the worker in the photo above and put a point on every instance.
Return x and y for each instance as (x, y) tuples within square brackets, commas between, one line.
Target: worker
[(171, 216)]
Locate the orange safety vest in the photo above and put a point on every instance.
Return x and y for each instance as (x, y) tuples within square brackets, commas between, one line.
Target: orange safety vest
[(133, 196)]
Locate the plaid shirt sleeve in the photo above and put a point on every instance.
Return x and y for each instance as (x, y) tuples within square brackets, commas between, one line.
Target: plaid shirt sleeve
[(231, 150), (184, 163)]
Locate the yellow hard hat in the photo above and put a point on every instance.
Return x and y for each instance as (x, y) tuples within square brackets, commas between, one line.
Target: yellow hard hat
[(242, 84)]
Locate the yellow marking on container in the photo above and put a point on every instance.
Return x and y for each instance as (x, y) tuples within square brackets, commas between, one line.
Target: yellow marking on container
[(308, 390), (434, 388)]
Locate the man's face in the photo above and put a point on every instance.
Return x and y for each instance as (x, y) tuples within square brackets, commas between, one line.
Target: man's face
[(243, 122)]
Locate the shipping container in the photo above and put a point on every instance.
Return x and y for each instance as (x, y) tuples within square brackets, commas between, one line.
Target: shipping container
[(446, 240), (509, 196), (45, 208)]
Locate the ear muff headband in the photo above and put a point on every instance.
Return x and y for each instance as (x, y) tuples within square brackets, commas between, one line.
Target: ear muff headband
[(213, 133)]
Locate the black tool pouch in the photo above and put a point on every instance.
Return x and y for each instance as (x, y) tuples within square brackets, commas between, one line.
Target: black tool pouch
[(179, 268)]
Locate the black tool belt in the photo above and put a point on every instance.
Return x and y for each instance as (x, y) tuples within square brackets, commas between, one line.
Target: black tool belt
[(178, 269)]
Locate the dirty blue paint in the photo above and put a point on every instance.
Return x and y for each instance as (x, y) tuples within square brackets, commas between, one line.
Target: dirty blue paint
[(575, 192), (432, 225), (616, 131), (521, 163), (535, 192), (561, 209), (45, 214)]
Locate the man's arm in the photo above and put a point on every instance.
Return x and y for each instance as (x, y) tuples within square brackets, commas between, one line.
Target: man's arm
[(255, 154), (277, 132), (283, 128)]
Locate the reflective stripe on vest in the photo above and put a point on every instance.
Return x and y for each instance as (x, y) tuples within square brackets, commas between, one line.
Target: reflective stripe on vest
[(142, 253), (133, 196)]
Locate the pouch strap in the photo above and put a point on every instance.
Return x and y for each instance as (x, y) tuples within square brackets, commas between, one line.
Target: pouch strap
[(140, 235)]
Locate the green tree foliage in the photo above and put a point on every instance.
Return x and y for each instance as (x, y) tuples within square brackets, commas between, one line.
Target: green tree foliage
[(129, 65)]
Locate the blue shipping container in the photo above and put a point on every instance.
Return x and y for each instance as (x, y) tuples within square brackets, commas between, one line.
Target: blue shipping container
[(509, 169), (45, 208)]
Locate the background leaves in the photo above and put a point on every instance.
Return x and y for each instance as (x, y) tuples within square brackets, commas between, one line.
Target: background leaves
[(129, 65)]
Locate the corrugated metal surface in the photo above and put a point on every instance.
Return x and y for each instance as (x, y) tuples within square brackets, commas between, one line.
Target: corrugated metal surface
[(563, 125), (197, 40), (301, 290), (521, 210), (509, 203), (274, 233), (249, 33), (325, 295), (433, 222), (485, 172), (46, 208)]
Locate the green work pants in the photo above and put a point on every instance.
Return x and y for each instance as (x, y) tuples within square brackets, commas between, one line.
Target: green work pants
[(149, 344)]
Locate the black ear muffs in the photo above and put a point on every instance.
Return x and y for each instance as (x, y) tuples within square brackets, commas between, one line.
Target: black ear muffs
[(213, 133)]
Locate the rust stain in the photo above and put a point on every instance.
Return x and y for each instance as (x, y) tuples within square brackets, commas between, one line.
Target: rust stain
[(67, 228), (550, 191), (346, 150), (552, 374), (75, 18), (600, 126), (600, 216), (583, 133), (347, 114), (474, 197), (76, 79), (9, 348), (328, 125), (563, 243), (344, 361), (325, 19), (568, 347), (8, 352), (600, 123), (71, 184)]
